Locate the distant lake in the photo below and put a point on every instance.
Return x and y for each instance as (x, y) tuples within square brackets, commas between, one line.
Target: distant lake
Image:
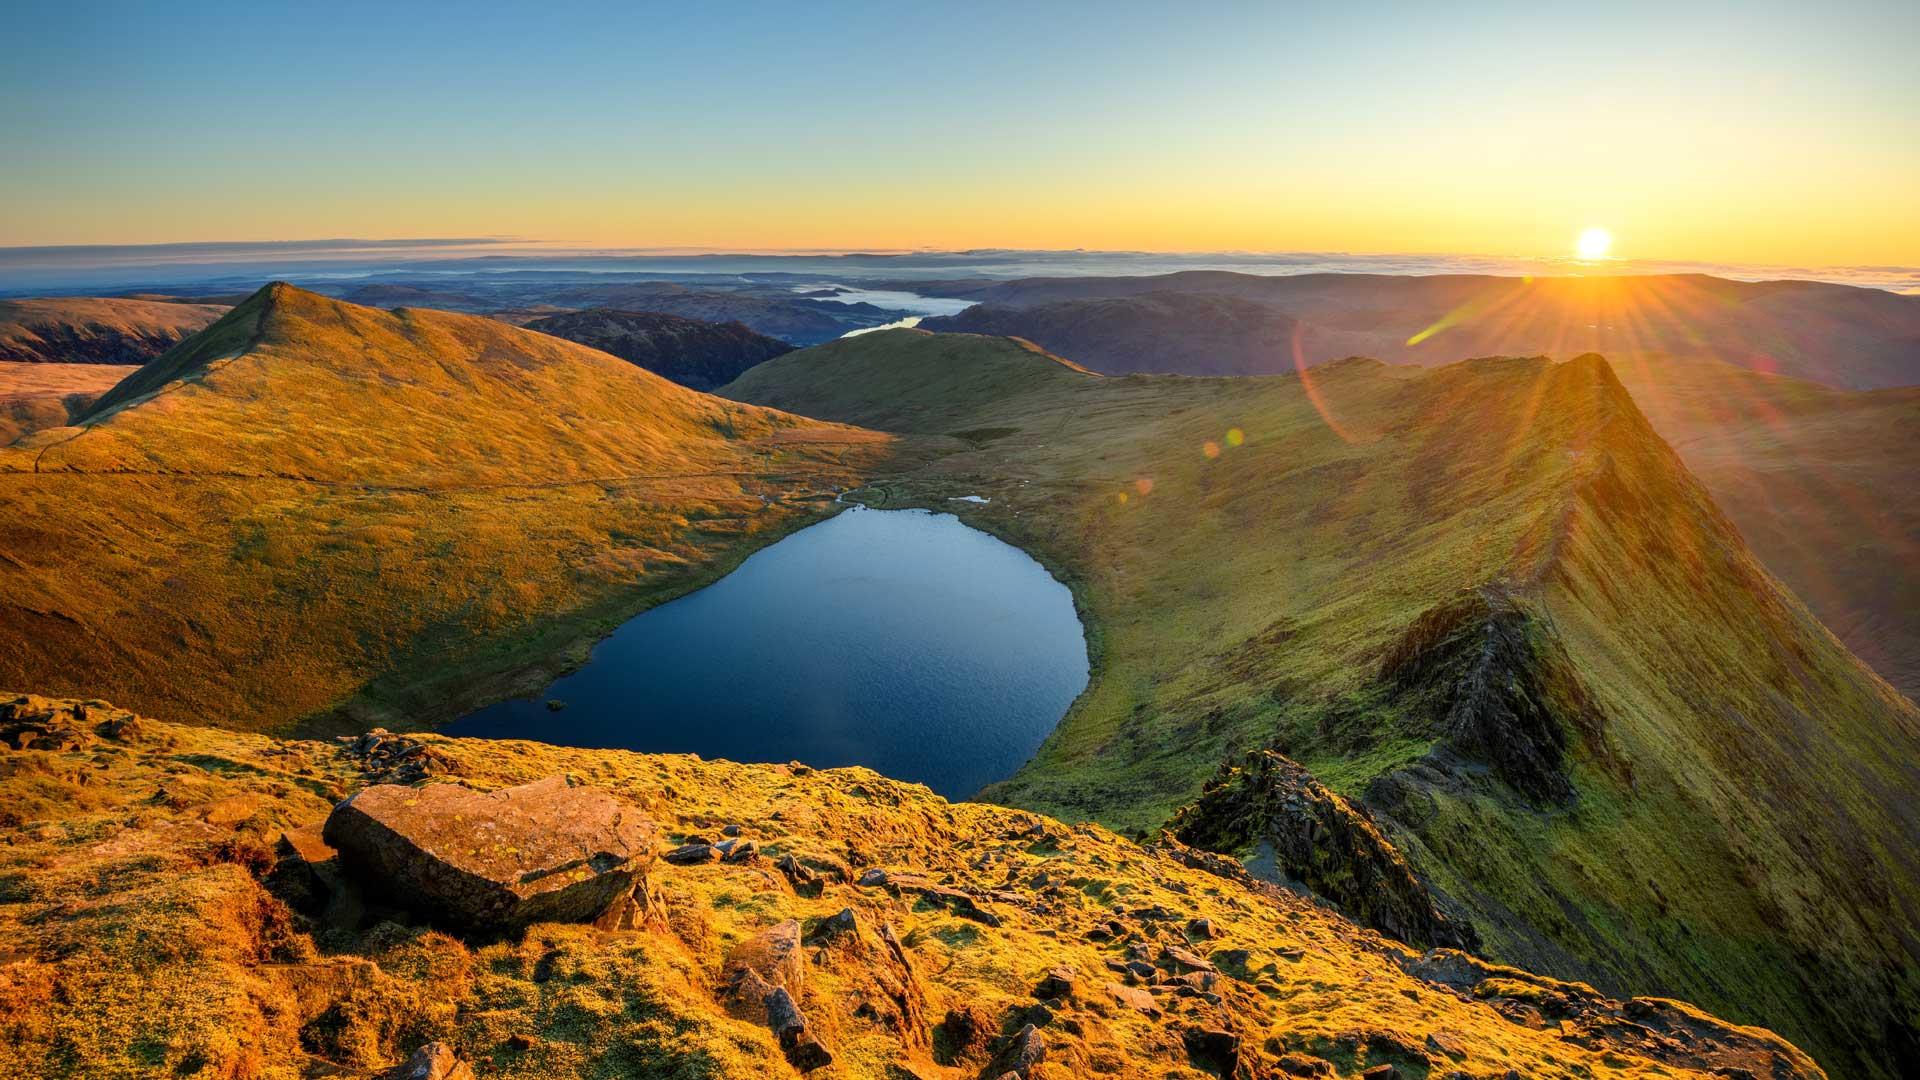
[(893, 299), (901, 640)]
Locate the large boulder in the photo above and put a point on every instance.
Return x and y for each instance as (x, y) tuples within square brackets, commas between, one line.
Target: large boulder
[(542, 852)]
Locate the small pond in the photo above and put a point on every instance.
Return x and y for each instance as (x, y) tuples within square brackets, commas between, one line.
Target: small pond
[(901, 640)]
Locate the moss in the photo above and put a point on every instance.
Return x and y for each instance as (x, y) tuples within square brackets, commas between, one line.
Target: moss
[(161, 973)]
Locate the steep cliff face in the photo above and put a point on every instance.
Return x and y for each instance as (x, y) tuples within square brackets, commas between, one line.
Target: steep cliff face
[(171, 908)]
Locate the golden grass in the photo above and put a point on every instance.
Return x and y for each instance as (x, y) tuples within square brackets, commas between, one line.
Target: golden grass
[(35, 395), (316, 509), (141, 940)]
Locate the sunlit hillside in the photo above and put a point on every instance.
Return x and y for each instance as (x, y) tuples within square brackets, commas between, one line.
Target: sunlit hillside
[(314, 507), (1312, 563), (35, 396)]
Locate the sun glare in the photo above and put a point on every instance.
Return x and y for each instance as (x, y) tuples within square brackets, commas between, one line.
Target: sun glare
[(1593, 243)]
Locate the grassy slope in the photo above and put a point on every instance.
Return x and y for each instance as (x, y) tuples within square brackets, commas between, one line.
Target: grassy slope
[(1754, 849), (35, 396), (146, 937), (314, 506), (1819, 482)]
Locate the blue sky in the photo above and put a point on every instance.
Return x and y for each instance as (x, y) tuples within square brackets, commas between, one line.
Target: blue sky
[(1702, 131)]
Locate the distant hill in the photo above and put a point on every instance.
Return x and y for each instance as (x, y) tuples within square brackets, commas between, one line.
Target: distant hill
[(97, 330), (1187, 333), (393, 296), (691, 352), (1832, 334), (798, 321), (1486, 601), (521, 316), (313, 506), (35, 396), (951, 381)]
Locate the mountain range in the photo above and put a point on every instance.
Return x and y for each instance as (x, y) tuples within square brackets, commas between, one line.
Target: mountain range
[(1466, 651), (1842, 336), (1813, 471)]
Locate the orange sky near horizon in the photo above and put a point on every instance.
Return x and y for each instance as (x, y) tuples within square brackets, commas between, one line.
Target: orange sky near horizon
[(1754, 133)]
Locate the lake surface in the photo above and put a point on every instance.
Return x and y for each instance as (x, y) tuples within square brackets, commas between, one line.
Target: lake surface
[(901, 640)]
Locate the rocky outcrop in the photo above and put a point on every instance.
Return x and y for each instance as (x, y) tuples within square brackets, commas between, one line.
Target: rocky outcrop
[(1494, 681), (542, 852), (1266, 802), (32, 722), (169, 875), (434, 1061), (1670, 1032)]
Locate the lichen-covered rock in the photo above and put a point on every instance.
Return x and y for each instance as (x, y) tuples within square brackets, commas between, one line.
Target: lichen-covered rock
[(198, 960), (541, 852), (434, 1061), (32, 722), (803, 1049), (1320, 840), (1495, 683)]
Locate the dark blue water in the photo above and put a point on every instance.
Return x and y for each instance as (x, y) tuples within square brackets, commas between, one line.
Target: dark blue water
[(901, 640)]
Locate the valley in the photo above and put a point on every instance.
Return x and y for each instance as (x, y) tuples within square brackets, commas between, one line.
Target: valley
[(325, 512), (901, 641), (97, 330), (1483, 603), (1063, 541), (1306, 563)]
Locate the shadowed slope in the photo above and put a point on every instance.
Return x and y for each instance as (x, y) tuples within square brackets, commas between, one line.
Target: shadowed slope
[(311, 496), (96, 330), (1617, 747), (1820, 483), (1183, 333), (702, 355)]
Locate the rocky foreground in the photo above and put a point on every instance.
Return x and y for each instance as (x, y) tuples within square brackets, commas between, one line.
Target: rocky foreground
[(185, 901)]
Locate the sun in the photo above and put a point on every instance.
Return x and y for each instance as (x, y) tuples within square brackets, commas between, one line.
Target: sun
[(1593, 243)]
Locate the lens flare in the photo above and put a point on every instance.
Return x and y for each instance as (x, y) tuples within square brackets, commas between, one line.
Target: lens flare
[(1143, 485), (1235, 436), (1210, 448)]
